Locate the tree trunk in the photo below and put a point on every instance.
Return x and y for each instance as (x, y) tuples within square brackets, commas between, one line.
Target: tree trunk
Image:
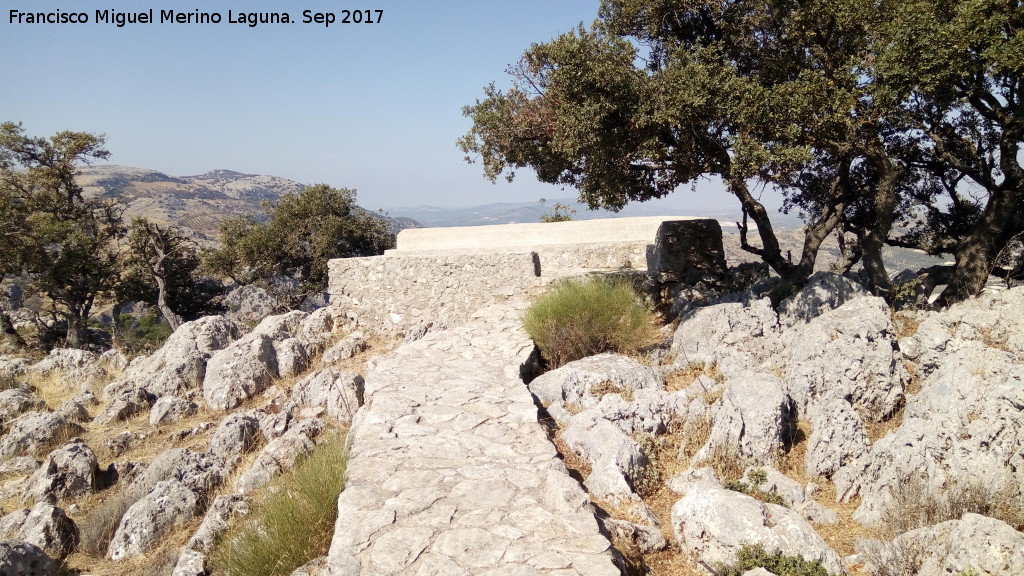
[(78, 330), (873, 240), (976, 252), (8, 333), (161, 303)]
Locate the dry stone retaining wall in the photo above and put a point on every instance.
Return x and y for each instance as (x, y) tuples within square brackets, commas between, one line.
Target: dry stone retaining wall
[(438, 276)]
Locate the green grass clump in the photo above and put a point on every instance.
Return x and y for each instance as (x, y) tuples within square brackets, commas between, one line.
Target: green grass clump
[(293, 523), (580, 318), (750, 557)]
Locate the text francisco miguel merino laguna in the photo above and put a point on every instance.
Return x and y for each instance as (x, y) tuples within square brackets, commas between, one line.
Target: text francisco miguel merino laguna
[(120, 19)]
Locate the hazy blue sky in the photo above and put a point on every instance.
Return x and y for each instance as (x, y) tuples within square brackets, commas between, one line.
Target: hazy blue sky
[(376, 107)]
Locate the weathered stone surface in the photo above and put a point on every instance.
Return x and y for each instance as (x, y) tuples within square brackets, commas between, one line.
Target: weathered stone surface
[(984, 544), (199, 471), (168, 409), (580, 383), (68, 472), (16, 401), (755, 420), (315, 567), (838, 436), (340, 392), (247, 304), (179, 366), (281, 326), (190, 563), (345, 348), (646, 539), (73, 412), (615, 459), (848, 353), (293, 357), (451, 473), (235, 435), (280, 455), (33, 431), (396, 294), (737, 337), (823, 291), (239, 372), (216, 521), (21, 558), (18, 465), (49, 528), (73, 366), (168, 504), (124, 404), (713, 523), (966, 423), (685, 250)]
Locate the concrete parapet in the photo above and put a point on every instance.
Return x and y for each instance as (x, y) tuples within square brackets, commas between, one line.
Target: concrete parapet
[(641, 230)]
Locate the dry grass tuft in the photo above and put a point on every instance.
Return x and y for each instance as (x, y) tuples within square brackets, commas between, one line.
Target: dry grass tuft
[(292, 521), (906, 323), (684, 377), (915, 505), (842, 536)]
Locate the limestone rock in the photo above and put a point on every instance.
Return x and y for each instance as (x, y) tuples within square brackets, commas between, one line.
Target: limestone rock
[(646, 539), (838, 437), (823, 291), (125, 404), (280, 455), (239, 372), (281, 326), (179, 366), (33, 431), (581, 383), (21, 558), (713, 523), (72, 365), (985, 544), (190, 563), (16, 401), (199, 471), (755, 419), (169, 504), (318, 325), (340, 392), (966, 423), (315, 567), (293, 357), (248, 304), (216, 521), (615, 458), (235, 436), (68, 472), (49, 528), (18, 465), (345, 348), (847, 353), (736, 337), (169, 409), (73, 412)]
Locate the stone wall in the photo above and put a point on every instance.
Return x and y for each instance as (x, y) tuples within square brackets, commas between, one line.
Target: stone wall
[(437, 277), (406, 294)]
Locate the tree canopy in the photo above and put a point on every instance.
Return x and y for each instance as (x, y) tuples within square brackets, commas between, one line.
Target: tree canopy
[(865, 114), (64, 242), (302, 232)]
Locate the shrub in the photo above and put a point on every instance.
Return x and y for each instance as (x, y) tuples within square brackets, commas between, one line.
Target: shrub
[(143, 335), (580, 318), (750, 557), (915, 505), (293, 523)]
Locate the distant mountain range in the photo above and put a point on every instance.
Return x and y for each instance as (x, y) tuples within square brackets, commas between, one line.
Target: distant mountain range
[(517, 212), (196, 204)]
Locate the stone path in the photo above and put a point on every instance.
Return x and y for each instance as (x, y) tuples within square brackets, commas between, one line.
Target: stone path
[(450, 474)]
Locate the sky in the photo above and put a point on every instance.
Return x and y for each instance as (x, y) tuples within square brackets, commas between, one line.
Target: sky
[(374, 107)]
